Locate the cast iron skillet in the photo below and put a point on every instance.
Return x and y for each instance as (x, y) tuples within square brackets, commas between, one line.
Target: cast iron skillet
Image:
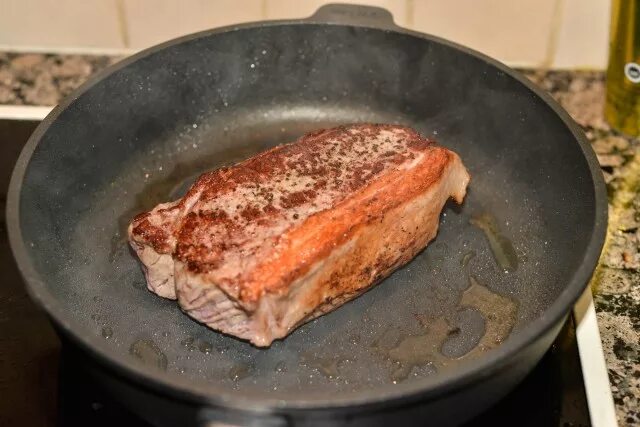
[(140, 132)]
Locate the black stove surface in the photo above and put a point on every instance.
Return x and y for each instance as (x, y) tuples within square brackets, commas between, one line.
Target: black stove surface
[(44, 385)]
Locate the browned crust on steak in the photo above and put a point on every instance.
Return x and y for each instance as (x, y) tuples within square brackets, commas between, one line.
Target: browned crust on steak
[(314, 239), (336, 163)]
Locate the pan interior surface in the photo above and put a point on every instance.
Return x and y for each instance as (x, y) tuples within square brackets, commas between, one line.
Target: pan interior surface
[(142, 134)]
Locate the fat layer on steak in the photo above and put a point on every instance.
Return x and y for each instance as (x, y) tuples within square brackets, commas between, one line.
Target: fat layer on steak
[(256, 249)]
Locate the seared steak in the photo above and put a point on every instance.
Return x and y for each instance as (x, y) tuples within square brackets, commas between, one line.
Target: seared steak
[(259, 248)]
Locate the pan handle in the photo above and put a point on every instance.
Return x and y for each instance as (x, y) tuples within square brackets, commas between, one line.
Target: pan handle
[(351, 14)]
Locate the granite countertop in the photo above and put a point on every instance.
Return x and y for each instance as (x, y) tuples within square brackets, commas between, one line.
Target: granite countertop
[(36, 79)]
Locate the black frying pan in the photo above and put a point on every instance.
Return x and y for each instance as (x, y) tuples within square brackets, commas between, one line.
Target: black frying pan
[(140, 132)]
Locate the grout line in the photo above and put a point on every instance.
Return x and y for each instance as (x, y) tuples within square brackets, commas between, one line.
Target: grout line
[(24, 112), (552, 41), (123, 23), (263, 9), (602, 410), (409, 13)]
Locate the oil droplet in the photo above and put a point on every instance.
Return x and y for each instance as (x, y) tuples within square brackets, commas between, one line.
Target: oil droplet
[(107, 332), (188, 343), (149, 353), (205, 347), (240, 371), (501, 247), (281, 367), (467, 257), (327, 366)]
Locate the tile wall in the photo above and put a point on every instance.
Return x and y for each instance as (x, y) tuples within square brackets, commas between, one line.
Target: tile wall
[(535, 33)]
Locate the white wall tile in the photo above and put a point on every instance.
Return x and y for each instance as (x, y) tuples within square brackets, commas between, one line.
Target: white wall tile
[(284, 9), (153, 21), (59, 23), (583, 35), (513, 31)]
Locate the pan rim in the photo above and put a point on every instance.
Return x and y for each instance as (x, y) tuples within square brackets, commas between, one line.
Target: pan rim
[(400, 394)]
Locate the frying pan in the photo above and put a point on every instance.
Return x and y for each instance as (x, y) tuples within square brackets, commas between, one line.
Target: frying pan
[(140, 132)]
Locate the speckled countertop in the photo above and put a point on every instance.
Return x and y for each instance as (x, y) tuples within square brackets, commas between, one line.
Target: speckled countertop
[(34, 79)]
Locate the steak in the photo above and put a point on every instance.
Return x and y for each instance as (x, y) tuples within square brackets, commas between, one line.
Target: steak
[(257, 249)]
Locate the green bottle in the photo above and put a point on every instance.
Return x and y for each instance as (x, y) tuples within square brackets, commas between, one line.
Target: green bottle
[(622, 107)]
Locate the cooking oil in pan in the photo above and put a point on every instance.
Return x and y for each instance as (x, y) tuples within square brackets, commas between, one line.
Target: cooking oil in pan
[(240, 371), (281, 367), (107, 332), (205, 347), (149, 353), (501, 247), (354, 338), (409, 351), (327, 366), (414, 351), (188, 343), (191, 344), (499, 312), (467, 257)]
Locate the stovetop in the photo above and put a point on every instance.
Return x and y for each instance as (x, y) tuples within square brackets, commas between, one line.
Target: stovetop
[(44, 385)]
